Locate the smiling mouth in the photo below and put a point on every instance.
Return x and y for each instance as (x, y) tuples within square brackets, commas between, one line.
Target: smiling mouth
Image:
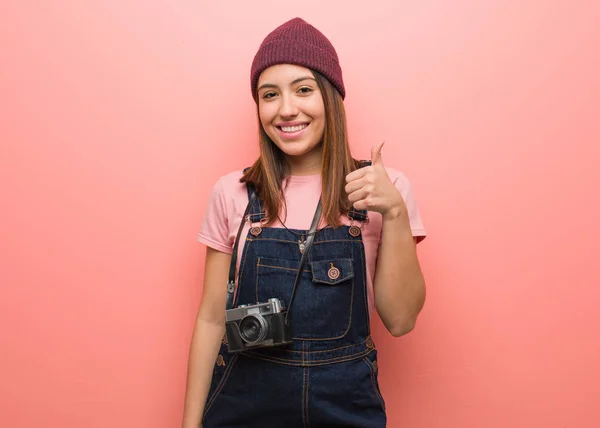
[(291, 129)]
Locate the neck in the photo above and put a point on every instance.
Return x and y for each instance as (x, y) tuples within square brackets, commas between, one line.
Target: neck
[(314, 169), (307, 164)]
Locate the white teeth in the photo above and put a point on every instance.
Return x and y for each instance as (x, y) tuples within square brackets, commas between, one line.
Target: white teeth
[(293, 128)]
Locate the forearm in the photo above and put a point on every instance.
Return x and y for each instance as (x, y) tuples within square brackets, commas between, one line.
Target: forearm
[(399, 285), (204, 348)]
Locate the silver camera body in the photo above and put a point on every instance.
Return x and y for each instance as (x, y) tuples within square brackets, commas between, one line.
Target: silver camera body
[(257, 326)]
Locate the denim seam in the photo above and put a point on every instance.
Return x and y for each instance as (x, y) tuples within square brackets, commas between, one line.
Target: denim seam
[(337, 281), (366, 293), (307, 368), (373, 381), (313, 339), (329, 350), (349, 319), (278, 240), (221, 385), (347, 327), (304, 389), (280, 267), (334, 240), (256, 276), (311, 363), (287, 241)]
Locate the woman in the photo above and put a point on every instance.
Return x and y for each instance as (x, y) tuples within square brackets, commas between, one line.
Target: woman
[(318, 240)]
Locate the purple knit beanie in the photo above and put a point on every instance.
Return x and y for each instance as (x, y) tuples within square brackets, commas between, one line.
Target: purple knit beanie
[(299, 43)]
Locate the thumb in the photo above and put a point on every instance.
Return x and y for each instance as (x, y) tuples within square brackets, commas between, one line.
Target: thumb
[(376, 153)]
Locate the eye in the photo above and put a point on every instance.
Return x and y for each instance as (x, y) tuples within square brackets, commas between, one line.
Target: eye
[(268, 95), (305, 90)]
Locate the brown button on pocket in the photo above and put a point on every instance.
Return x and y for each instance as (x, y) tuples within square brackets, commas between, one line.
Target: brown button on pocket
[(332, 272), (354, 231)]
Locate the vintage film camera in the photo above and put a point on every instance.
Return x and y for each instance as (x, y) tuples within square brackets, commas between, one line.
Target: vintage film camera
[(257, 326)]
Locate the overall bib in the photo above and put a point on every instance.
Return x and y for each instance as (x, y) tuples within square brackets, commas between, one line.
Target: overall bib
[(328, 376)]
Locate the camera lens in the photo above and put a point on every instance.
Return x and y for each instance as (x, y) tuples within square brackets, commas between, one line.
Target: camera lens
[(253, 328)]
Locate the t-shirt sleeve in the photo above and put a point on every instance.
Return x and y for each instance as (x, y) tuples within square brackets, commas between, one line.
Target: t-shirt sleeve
[(214, 231), (406, 190)]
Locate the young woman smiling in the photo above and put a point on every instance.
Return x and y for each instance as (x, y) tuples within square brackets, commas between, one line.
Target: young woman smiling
[(303, 247)]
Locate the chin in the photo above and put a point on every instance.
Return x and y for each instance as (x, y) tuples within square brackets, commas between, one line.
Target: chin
[(296, 151)]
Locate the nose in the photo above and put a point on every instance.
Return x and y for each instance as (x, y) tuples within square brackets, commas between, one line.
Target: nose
[(288, 107)]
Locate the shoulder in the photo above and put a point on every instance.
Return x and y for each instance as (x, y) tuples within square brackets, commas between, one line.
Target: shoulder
[(229, 192), (230, 180), (228, 185)]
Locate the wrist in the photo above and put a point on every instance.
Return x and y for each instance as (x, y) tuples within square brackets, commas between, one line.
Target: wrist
[(395, 214), (396, 223)]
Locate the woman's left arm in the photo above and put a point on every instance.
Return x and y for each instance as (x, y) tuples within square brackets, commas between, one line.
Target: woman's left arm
[(399, 285)]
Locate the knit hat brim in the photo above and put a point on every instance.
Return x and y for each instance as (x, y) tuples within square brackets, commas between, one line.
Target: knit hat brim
[(297, 42)]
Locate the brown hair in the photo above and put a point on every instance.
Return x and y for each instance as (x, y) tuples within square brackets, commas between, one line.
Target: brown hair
[(269, 170)]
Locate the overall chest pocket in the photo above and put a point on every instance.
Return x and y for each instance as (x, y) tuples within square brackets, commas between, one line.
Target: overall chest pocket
[(322, 306)]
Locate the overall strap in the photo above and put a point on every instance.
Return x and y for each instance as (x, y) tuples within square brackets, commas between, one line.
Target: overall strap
[(257, 209)]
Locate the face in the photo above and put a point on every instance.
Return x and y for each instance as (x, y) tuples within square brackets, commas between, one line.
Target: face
[(292, 112)]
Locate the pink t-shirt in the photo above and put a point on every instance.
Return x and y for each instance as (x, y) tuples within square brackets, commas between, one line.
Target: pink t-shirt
[(229, 199)]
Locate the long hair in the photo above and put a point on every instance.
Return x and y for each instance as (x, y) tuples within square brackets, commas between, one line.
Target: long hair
[(269, 171)]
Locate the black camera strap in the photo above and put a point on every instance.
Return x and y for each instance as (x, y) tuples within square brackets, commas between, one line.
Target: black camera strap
[(232, 265), (309, 240)]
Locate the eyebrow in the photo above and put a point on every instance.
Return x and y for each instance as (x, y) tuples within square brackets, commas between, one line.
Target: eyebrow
[(298, 80)]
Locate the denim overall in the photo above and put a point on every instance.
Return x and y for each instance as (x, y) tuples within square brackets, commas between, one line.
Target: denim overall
[(328, 376)]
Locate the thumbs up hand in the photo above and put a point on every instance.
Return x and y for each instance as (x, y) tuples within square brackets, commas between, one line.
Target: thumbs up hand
[(370, 188)]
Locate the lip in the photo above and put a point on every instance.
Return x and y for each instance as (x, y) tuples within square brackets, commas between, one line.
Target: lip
[(296, 123), (291, 135)]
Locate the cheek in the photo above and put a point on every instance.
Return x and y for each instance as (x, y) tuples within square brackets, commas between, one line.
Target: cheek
[(318, 112), (263, 119), (265, 114), (266, 117), (320, 122)]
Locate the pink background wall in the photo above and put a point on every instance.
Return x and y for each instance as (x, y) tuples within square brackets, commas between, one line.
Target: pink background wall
[(117, 116)]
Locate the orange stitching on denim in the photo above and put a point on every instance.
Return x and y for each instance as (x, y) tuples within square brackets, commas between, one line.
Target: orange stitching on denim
[(294, 242), (304, 270), (350, 275), (304, 391), (221, 385), (307, 369), (307, 384), (366, 288), (310, 363), (283, 268), (303, 396), (339, 347), (276, 240), (256, 281), (373, 381), (326, 350), (347, 328)]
